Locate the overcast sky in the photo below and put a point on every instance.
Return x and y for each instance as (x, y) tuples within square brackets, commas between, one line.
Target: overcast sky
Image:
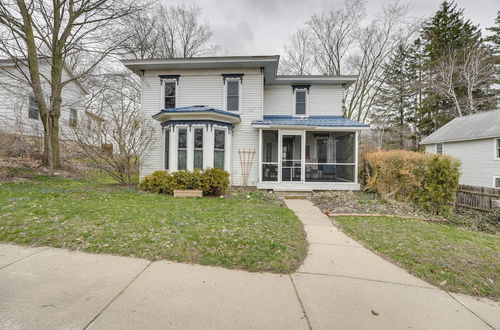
[(262, 27)]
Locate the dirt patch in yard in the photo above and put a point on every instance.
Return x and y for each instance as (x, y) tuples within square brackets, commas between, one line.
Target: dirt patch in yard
[(351, 202), (22, 169)]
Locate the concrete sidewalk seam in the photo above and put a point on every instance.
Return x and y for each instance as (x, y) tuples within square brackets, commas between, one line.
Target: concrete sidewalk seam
[(368, 279), (117, 295), (467, 308), (300, 303), (25, 257)]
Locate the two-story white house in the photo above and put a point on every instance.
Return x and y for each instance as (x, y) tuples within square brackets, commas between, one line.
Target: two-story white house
[(18, 107), (234, 112)]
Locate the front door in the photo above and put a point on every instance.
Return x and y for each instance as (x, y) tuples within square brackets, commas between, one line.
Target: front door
[(291, 158)]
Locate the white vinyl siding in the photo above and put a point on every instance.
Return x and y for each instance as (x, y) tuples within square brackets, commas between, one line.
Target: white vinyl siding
[(323, 100), (478, 168)]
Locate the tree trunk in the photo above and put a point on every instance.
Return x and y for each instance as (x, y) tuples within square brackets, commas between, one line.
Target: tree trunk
[(55, 142)]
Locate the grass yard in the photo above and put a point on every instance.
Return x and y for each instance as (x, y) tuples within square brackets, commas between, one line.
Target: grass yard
[(252, 234), (455, 259)]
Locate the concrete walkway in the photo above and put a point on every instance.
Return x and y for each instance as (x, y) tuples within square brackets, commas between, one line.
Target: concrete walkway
[(341, 285)]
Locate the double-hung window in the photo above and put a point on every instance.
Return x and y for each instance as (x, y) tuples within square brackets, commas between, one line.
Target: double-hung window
[(169, 88), (496, 182), (439, 148), (198, 148), (497, 149), (300, 102), (73, 117), (219, 148), (182, 149), (233, 94), (33, 108), (167, 148)]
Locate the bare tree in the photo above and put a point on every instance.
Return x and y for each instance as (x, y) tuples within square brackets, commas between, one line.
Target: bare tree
[(168, 32), (115, 143), (343, 45), (335, 33), (33, 32), (298, 56)]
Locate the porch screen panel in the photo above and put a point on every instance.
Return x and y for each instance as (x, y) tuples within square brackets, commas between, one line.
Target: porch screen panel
[(269, 155), (330, 157), (182, 149)]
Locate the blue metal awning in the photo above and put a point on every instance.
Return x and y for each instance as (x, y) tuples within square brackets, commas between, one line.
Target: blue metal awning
[(312, 121)]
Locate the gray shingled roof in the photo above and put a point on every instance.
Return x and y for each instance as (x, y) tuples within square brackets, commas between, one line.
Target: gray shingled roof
[(478, 126)]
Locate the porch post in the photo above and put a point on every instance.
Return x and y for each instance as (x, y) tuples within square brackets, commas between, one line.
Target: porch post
[(260, 154), (356, 157)]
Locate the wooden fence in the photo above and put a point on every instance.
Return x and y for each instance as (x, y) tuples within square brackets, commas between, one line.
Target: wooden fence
[(476, 198)]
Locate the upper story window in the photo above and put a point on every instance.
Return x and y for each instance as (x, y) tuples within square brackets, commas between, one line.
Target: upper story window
[(301, 96), (233, 95), (33, 108), (169, 88), (73, 117), (439, 148), (497, 149)]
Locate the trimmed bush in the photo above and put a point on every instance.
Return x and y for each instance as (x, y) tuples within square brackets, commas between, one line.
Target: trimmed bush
[(430, 180), (159, 182), (440, 183), (213, 181)]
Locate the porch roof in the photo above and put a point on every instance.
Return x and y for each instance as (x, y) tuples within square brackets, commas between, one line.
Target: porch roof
[(312, 121), (198, 112)]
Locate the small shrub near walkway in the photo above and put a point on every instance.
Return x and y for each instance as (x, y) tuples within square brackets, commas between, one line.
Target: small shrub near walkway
[(449, 257), (246, 232)]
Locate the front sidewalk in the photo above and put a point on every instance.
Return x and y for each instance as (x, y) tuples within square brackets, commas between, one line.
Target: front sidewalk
[(340, 285)]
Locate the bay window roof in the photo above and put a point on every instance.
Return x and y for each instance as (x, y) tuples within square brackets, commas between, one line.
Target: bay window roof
[(198, 112)]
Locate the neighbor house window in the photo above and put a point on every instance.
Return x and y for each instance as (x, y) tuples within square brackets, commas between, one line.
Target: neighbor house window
[(300, 102), (33, 108), (73, 117), (233, 94), (497, 148), (497, 181), (439, 148), (198, 148), (167, 146), (169, 94), (182, 149), (219, 147)]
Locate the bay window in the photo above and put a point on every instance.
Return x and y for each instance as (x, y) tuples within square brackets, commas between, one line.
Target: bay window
[(182, 149), (219, 148), (167, 147), (198, 148)]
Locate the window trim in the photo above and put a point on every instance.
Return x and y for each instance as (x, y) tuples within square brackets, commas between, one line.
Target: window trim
[(204, 136), (73, 122), (495, 177), (306, 91), (496, 148), (240, 93), (162, 93), (178, 129), (31, 97), (442, 148), (225, 150)]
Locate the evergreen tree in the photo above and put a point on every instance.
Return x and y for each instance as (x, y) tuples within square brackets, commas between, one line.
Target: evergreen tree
[(493, 41)]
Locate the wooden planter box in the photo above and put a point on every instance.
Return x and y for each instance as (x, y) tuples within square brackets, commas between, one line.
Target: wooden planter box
[(188, 193)]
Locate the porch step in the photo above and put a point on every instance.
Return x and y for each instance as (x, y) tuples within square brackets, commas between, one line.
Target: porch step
[(292, 194)]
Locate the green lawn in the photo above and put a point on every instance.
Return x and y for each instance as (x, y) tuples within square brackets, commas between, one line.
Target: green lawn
[(455, 259), (252, 234)]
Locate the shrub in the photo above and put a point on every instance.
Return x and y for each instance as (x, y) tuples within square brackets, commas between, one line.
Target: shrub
[(215, 181), (394, 174), (212, 181), (440, 183), (159, 182)]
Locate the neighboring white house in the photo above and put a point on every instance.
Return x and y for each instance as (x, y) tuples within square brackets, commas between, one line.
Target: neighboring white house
[(236, 113), (475, 141), (18, 108)]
